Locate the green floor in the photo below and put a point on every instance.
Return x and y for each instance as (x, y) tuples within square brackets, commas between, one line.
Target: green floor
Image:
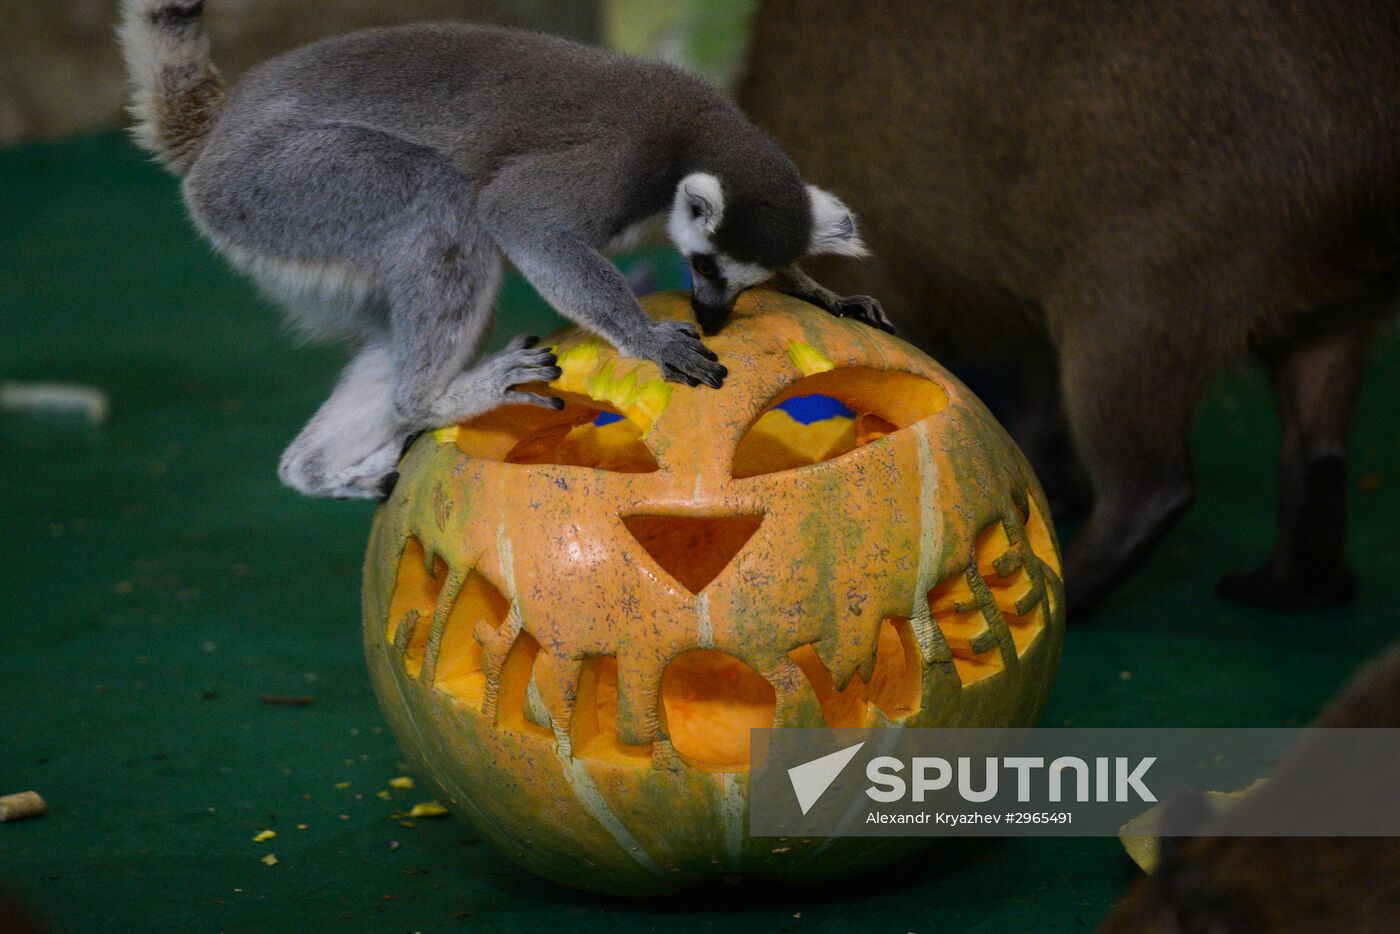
[(155, 580)]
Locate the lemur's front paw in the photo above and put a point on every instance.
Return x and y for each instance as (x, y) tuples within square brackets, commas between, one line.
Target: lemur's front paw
[(676, 348), (523, 362), (865, 309)]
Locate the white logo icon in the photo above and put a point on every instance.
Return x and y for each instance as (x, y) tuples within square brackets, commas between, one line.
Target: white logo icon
[(810, 780)]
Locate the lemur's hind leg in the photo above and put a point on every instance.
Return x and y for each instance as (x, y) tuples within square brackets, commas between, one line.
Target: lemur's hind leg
[(351, 447), (1315, 388), (353, 441), (439, 291), (358, 205), (441, 284)]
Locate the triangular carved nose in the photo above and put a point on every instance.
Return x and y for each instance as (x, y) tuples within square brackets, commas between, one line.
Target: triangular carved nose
[(692, 549)]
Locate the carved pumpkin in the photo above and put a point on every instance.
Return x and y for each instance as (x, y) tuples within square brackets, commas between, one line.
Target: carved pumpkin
[(573, 619)]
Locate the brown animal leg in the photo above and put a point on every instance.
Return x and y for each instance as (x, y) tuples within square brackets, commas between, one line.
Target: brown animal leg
[(1037, 422), (1315, 387), (1130, 401)]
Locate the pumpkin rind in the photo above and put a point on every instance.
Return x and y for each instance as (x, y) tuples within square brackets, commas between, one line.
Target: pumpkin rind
[(931, 543)]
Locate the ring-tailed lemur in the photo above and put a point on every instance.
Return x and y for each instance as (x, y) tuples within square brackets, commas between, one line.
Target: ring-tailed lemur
[(372, 182)]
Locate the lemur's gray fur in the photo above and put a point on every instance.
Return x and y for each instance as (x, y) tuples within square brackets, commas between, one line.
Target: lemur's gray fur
[(373, 182)]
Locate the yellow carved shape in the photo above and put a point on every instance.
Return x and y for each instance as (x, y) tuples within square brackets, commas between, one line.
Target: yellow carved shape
[(808, 359)]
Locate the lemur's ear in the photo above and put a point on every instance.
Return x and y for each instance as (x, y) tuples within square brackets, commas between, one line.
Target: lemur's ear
[(833, 226), (704, 199), (696, 213)]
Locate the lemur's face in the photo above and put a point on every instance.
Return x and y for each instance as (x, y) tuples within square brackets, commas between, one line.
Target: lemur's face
[(716, 281), (716, 277)]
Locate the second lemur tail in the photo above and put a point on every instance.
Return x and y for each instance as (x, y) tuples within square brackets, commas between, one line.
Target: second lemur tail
[(176, 92)]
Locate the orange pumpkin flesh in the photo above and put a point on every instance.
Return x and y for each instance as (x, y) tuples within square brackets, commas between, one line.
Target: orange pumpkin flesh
[(573, 619)]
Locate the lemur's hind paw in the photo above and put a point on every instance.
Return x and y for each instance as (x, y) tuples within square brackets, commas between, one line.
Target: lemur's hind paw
[(676, 348), (866, 310), (305, 470)]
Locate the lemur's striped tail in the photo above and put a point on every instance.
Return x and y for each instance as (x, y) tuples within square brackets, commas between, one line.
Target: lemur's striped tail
[(176, 92)]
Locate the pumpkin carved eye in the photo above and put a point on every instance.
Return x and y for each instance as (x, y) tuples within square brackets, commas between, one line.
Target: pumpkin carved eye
[(824, 416), (586, 433)]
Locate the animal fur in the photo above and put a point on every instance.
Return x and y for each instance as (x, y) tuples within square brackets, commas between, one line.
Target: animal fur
[(1118, 199), (373, 183), (176, 90), (1282, 885)]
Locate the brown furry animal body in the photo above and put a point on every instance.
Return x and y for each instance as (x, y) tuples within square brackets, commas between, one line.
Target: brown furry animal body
[(1281, 885), (1119, 198)]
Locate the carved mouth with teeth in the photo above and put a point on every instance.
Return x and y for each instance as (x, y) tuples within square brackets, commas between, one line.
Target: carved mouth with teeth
[(841, 536), (710, 699)]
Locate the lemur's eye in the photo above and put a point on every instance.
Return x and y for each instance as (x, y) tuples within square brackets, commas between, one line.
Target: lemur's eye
[(703, 265), (822, 417)]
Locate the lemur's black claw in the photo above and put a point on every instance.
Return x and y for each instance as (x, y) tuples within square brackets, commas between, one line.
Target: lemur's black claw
[(522, 397), (866, 310), (682, 357)]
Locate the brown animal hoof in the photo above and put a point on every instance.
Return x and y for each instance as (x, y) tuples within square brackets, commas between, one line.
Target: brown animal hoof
[(1266, 587)]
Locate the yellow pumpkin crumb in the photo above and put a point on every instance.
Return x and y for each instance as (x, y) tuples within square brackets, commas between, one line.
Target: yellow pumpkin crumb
[(264, 836), (403, 781)]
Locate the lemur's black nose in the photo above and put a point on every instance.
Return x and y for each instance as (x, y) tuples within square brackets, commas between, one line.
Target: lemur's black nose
[(711, 317)]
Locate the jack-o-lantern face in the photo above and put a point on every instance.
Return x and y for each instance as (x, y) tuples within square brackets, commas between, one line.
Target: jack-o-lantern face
[(574, 618)]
